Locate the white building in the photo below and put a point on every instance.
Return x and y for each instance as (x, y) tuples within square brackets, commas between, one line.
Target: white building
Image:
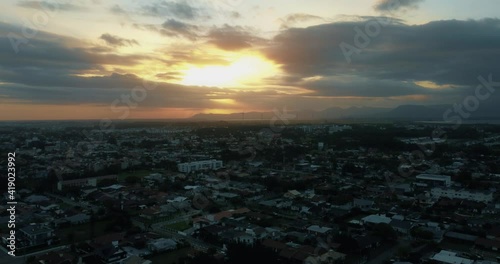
[(162, 244), (376, 219), (433, 180), (199, 165), (485, 197), (450, 258)]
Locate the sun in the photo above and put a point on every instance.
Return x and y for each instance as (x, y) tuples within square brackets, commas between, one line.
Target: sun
[(244, 71)]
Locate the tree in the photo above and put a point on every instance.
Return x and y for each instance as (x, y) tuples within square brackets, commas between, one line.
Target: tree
[(106, 182), (385, 231), (418, 232), (131, 180)]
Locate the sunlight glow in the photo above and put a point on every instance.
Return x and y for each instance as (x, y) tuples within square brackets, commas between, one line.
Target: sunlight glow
[(432, 85), (244, 70)]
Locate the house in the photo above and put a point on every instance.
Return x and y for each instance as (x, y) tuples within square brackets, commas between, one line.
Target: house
[(364, 205), (199, 165), (318, 230), (451, 193), (292, 194), (401, 226), (136, 260), (37, 235), (78, 219), (376, 219), (432, 180), (56, 258), (162, 244), (36, 199), (330, 257), (243, 237), (450, 257), (111, 253)]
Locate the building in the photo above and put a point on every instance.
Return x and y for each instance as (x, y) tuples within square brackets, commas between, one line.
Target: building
[(83, 182), (376, 219), (450, 257), (162, 244), (37, 235), (329, 257), (485, 197), (318, 230), (188, 167), (364, 205), (432, 180), (78, 219)]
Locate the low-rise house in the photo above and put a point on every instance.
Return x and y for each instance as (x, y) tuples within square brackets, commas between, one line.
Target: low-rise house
[(364, 205), (78, 219), (330, 257), (37, 235), (375, 219), (401, 226), (162, 244), (319, 230), (450, 257)]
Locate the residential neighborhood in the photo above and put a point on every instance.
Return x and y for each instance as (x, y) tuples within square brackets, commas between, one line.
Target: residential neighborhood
[(226, 192)]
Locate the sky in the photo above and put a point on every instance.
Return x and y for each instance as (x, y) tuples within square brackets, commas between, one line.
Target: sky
[(96, 59)]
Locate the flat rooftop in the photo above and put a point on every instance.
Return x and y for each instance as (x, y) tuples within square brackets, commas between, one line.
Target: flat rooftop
[(433, 176)]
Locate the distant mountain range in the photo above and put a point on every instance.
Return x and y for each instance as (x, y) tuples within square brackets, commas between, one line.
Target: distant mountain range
[(402, 112)]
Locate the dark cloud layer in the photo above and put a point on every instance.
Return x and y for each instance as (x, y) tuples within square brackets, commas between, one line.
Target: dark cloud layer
[(292, 19), (52, 6), (444, 52), (396, 5), (116, 41), (233, 38), (391, 64), (164, 9)]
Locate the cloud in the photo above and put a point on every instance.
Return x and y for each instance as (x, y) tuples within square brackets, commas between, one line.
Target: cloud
[(117, 41), (293, 19), (233, 38), (179, 10), (54, 60), (448, 52), (177, 28), (51, 6), (173, 28), (117, 10), (396, 5)]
